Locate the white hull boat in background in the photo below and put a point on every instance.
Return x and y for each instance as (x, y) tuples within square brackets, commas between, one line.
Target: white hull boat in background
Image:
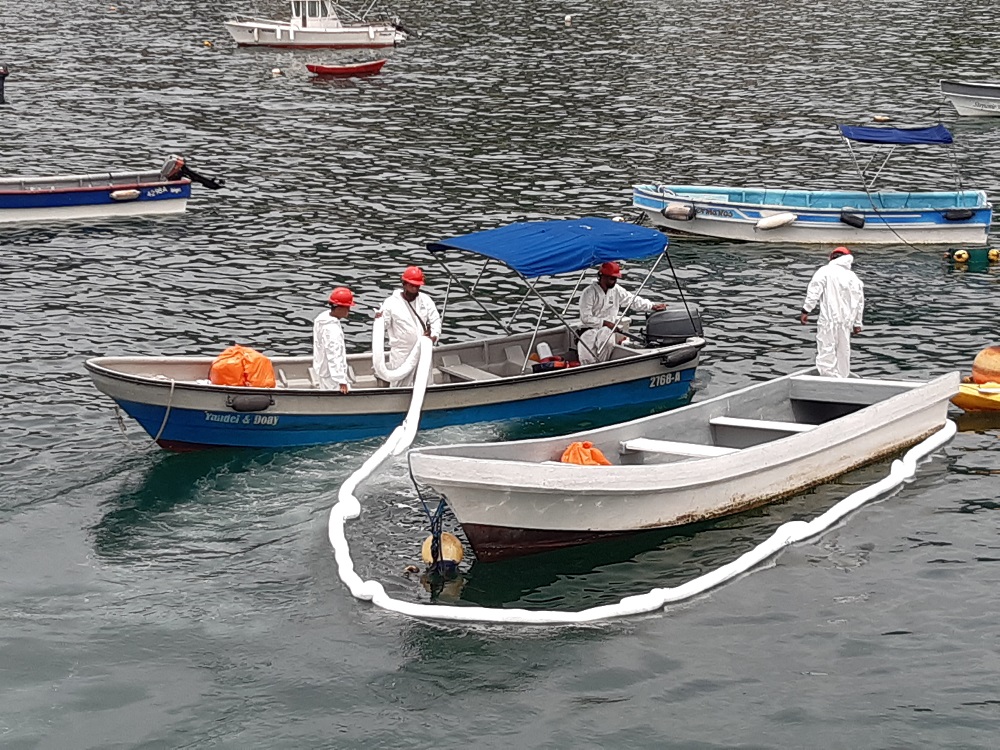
[(828, 217), (318, 24), (973, 99)]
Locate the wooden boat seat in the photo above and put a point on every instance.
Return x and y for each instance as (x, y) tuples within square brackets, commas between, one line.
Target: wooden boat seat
[(467, 372), (762, 424), (697, 450)]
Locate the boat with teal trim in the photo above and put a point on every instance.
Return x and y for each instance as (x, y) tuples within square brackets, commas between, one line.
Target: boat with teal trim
[(831, 217)]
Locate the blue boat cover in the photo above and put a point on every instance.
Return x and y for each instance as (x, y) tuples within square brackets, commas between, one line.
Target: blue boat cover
[(545, 248), (939, 134)]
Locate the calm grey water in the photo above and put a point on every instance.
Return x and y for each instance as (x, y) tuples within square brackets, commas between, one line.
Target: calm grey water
[(153, 600)]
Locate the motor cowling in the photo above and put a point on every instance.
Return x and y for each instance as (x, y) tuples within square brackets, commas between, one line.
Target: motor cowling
[(673, 326)]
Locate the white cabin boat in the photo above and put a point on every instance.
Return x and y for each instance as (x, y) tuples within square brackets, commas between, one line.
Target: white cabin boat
[(710, 459), (318, 24)]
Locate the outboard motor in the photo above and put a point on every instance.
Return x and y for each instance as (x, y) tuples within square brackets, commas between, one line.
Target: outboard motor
[(176, 168), (673, 326)]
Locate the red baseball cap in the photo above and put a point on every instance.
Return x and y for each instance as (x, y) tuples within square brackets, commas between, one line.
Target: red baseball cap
[(610, 269), (839, 251)]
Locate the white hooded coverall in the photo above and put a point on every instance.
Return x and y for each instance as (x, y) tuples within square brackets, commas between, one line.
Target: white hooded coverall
[(404, 329), (841, 298), (597, 306), (329, 352)]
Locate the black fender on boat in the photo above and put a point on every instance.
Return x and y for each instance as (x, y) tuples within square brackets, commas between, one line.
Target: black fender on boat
[(959, 214), (679, 356), (852, 219), (250, 402)]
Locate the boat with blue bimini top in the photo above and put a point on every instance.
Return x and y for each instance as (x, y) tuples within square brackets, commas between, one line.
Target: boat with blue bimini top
[(485, 379), (833, 217), (100, 195)]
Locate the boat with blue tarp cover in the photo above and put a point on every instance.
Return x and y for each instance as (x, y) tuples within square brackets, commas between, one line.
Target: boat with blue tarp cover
[(483, 379), (100, 195), (865, 216)]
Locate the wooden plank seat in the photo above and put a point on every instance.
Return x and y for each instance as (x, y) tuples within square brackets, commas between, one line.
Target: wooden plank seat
[(463, 371), (697, 450), (761, 424)]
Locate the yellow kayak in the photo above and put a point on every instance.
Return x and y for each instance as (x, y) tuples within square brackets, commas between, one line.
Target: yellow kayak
[(978, 397)]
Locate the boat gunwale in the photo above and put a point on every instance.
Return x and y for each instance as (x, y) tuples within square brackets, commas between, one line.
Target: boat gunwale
[(41, 190), (94, 366), (983, 205), (674, 475)]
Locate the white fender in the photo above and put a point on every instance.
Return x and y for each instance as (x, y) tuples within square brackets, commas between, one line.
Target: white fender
[(277, 34), (291, 34), (256, 34), (378, 355), (124, 195), (776, 220), (371, 32)]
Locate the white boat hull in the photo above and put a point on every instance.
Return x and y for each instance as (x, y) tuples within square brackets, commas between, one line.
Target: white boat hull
[(972, 99), (517, 498), (278, 34)]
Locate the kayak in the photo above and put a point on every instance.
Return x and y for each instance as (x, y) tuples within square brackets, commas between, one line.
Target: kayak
[(978, 397), (352, 69)]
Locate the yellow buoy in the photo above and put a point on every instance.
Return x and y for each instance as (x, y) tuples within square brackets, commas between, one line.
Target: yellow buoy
[(961, 256), (451, 549), (993, 255), (207, 43)]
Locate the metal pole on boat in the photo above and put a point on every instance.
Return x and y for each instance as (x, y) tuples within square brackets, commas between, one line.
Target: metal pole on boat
[(4, 72)]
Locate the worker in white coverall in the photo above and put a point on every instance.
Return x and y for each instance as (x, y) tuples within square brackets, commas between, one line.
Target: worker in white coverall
[(409, 314), (841, 298), (329, 351), (601, 305)]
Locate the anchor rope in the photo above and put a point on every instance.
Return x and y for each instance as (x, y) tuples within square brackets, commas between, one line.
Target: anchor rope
[(348, 507), (166, 414)]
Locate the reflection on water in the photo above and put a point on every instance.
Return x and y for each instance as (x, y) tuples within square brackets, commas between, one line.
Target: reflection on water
[(978, 421)]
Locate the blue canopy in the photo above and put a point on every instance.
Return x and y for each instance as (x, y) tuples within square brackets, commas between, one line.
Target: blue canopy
[(545, 248), (938, 135)]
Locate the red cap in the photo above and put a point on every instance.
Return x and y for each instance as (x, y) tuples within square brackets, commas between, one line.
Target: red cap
[(342, 297), (611, 269), (839, 251), (413, 275)]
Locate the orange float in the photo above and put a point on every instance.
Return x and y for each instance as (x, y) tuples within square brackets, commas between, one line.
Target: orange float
[(986, 366)]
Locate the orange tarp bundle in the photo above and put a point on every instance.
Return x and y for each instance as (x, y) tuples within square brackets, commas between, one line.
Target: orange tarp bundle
[(241, 365), (584, 454)]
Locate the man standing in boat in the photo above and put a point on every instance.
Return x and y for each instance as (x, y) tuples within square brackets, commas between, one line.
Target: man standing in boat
[(601, 305), (841, 298), (329, 352), (408, 314)]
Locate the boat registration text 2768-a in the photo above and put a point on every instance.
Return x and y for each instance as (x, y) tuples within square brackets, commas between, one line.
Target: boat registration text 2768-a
[(665, 379)]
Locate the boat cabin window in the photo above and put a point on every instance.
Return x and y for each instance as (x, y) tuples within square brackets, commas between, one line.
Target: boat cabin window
[(304, 9)]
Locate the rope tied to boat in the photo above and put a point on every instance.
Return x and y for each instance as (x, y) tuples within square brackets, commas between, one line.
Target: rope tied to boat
[(166, 414)]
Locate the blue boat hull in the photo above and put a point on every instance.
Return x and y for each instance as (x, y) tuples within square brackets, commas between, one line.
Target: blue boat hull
[(40, 203), (194, 429)]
